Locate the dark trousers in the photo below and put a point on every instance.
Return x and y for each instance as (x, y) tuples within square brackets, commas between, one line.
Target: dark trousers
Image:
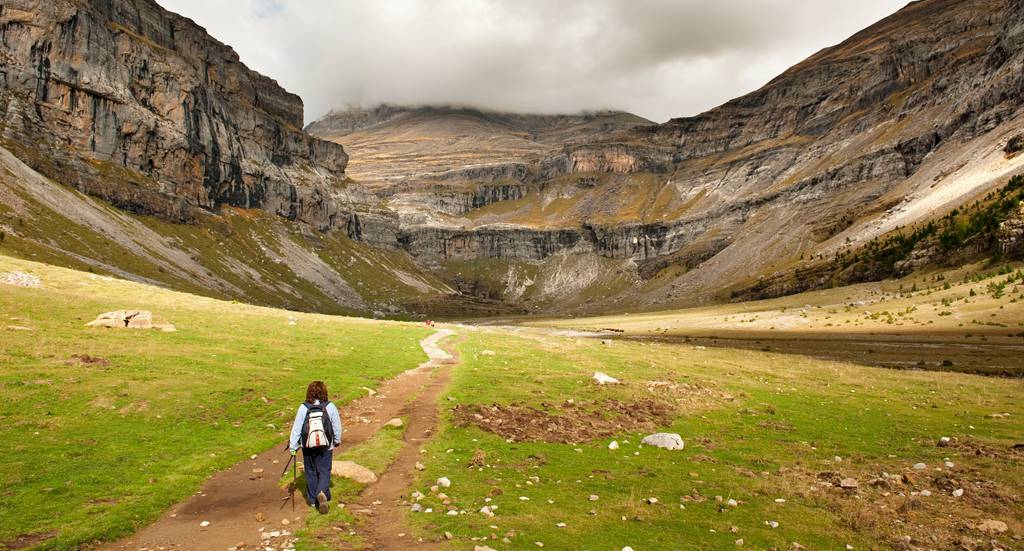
[(317, 466)]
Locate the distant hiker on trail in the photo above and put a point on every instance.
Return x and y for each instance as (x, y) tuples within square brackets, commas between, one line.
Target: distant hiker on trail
[(317, 429)]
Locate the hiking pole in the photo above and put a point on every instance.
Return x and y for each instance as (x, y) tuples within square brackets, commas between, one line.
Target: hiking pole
[(291, 487), (291, 458), (295, 481)]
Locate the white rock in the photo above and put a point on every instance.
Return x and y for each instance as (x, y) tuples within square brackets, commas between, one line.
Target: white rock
[(732, 503), (395, 423), (991, 526), (772, 523), (487, 353), (204, 524), (664, 440), (958, 492), (920, 466), (444, 482), (353, 471), (614, 445), (605, 379), (926, 493)]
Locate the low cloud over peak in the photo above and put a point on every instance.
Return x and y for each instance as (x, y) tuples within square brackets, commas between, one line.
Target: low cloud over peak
[(656, 58)]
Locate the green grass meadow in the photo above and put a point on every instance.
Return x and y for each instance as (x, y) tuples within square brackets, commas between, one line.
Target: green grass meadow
[(788, 418), (93, 451)]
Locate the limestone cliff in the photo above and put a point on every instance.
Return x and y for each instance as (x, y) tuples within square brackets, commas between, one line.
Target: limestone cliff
[(141, 107)]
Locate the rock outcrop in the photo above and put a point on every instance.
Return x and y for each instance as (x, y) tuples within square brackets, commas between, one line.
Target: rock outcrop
[(141, 107), (1011, 235)]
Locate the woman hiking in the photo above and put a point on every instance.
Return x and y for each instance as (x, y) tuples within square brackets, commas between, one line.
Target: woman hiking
[(317, 429)]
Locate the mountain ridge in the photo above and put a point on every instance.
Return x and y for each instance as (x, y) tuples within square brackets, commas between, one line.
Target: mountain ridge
[(897, 125)]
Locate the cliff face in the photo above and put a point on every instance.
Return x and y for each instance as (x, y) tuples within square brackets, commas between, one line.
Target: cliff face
[(141, 107)]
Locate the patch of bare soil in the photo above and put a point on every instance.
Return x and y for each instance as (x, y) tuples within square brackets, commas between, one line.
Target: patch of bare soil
[(85, 359), (938, 507), (573, 422), (566, 423), (28, 540), (969, 446)]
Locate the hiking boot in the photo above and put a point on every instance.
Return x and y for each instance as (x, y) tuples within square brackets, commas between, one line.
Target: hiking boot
[(321, 503)]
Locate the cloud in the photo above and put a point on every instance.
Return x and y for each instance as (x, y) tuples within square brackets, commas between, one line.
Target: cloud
[(657, 58)]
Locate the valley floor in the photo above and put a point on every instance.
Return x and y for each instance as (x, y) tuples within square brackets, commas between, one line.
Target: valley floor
[(107, 428), (969, 320)]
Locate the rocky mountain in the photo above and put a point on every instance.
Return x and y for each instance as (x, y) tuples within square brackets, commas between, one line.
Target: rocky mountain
[(897, 125), (456, 209), (140, 109), (391, 145)]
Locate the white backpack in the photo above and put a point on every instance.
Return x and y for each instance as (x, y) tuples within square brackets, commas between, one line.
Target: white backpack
[(317, 429)]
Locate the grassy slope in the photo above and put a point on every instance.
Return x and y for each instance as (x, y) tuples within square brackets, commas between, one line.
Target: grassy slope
[(789, 419), (238, 253), (959, 308), (94, 451)]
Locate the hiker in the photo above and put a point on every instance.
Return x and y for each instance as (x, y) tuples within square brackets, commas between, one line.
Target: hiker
[(317, 429)]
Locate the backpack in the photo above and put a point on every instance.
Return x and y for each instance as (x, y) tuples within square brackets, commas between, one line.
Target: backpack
[(317, 430)]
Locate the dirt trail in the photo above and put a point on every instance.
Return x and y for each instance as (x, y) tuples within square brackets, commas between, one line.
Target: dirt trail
[(232, 500), (383, 505)]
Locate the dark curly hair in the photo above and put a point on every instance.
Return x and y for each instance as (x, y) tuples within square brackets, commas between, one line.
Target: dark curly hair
[(316, 390)]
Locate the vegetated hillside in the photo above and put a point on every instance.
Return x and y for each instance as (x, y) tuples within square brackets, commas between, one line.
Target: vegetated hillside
[(243, 254), (392, 145), (989, 228), (903, 122)]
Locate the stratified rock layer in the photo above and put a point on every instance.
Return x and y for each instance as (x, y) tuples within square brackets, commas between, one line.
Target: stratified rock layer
[(136, 105)]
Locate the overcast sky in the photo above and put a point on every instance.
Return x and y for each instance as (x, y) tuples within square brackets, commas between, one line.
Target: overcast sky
[(656, 58)]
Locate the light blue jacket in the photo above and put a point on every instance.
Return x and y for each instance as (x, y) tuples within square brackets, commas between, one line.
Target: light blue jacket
[(300, 419)]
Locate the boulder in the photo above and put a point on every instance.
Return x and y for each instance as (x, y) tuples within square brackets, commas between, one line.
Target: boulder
[(132, 319), (605, 379), (353, 471), (990, 526), (395, 423), (665, 440)]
